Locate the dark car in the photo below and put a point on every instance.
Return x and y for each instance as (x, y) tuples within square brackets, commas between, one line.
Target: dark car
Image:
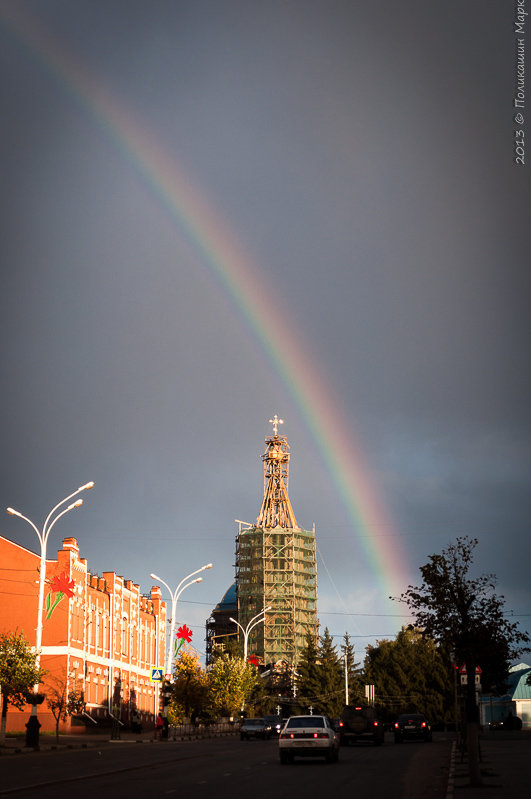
[(255, 728), (360, 723), (275, 722), (412, 727)]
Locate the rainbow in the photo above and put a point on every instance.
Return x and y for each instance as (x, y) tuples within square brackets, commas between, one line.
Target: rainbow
[(242, 281)]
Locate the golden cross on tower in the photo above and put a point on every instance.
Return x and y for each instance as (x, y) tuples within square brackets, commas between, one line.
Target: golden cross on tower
[(275, 421)]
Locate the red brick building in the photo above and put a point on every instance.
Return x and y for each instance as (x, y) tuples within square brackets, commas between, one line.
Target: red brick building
[(100, 635)]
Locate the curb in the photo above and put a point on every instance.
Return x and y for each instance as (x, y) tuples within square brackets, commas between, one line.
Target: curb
[(451, 773), (17, 749)]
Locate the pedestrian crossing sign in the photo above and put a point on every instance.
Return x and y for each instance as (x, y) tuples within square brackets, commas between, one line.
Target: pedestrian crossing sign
[(156, 674)]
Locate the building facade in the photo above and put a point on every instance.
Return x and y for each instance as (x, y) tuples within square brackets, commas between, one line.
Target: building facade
[(516, 702), (101, 636)]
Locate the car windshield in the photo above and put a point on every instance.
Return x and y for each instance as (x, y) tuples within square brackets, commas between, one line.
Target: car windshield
[(306, 721), (254, 722), (411, 717)]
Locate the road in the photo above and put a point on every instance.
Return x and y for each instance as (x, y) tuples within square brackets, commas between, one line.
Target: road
[(223, 767)]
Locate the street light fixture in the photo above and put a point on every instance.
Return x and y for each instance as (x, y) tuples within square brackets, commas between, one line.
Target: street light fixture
[(32, 735), (250, 626), (174, 597)]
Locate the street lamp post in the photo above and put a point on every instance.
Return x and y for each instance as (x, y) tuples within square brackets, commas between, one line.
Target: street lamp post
[(32, 735), (250, 626), (346, 679), (174, 597)]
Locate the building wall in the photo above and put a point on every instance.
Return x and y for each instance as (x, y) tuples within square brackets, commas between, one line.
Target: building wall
[(102, 641)]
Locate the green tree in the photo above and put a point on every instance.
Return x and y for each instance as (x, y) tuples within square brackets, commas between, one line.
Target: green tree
[(18, 673), (354, 672), (62, 704), (410, 675), (320, 676), (189, 689), (230, 684), (466, 616), (308, 679), (332, 680)]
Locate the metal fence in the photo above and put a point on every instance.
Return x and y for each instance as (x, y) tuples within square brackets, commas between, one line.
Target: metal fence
[(186, 732)]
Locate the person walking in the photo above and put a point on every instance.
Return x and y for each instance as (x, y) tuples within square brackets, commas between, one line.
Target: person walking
[(159, 725)]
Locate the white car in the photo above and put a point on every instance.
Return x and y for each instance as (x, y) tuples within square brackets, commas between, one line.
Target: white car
[(308, 736)]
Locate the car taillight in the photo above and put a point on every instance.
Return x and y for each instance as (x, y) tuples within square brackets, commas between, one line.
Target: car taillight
[(396, 725), (340, 723), (375, 723), (320, 735), (423, 724)]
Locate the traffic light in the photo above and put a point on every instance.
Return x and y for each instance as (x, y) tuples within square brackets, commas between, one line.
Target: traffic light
[(166, 693)]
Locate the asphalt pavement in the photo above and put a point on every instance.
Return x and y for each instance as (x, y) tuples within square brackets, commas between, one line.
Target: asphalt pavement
[(505, 760)]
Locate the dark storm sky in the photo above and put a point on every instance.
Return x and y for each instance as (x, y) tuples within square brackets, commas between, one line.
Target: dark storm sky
[(362, 155)]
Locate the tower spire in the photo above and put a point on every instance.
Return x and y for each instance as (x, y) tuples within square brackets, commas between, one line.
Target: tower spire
[(276, 510)]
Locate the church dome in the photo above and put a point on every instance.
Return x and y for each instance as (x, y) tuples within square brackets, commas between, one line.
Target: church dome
[(229, 600)]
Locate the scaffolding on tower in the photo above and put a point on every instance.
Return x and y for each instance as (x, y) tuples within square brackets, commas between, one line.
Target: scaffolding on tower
[(276, 566)]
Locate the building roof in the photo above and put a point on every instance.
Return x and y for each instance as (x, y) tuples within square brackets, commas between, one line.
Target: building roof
[(517, 681), (229, 600)]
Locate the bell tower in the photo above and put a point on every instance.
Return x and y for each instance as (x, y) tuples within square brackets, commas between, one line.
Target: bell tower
[(276, 566)]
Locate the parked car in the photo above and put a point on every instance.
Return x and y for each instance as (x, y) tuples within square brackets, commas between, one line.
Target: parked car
[(360, 723), (510, 722), (308, 736), (254, 728), (412, 726)]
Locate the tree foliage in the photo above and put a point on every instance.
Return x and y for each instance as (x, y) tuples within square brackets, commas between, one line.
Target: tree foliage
[(308, 676), (354, 671), (466, 616), (231, 682), (190, 687), (62, 704), (464, 613), (18, 673), (410, 674), (320, 676), (332, 677)]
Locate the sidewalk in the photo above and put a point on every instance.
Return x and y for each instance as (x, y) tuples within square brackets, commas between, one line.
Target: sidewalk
[(47, 743), (17, 744), (505, 768)]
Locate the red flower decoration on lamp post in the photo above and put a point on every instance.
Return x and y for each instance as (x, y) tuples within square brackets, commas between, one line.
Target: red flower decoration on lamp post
[(184, 633), (61, 585)]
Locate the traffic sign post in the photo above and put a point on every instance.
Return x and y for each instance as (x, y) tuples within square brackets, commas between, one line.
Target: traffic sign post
[(156, 674), (464, 676)]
